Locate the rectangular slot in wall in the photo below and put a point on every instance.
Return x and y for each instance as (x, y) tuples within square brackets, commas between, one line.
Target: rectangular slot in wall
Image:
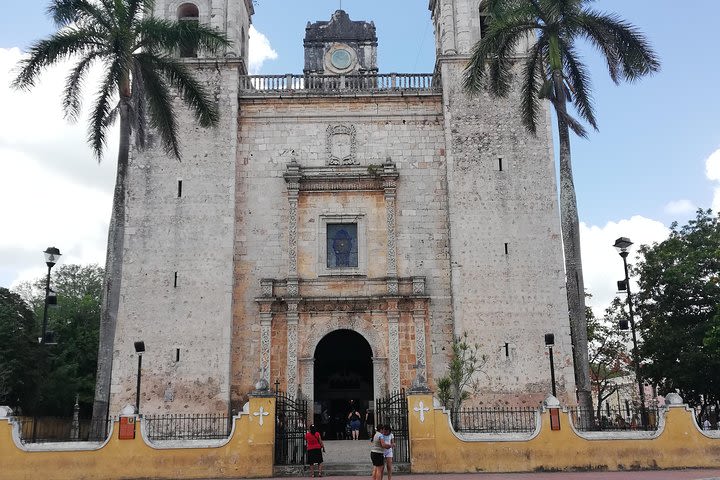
[(176, 279), (507, 249), (500, 164), (177, 355), (179, 188)]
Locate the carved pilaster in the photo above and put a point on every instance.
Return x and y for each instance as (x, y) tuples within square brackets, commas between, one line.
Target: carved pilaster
[(265, 336), (292, 346), (390, 176), (418, 315), (292, 178), (393, 317), (307, 381), (380, 381)]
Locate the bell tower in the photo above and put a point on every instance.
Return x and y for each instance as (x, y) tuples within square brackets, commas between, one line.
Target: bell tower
[(507, 271), (232, 17)]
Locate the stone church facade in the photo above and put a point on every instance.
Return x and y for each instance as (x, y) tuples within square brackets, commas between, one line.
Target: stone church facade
[(339, 228)]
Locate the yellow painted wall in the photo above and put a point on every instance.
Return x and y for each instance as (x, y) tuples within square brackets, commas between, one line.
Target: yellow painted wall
[(434, 447), (249, 453)]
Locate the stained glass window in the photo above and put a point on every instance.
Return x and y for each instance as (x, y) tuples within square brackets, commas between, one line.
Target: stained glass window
[(342, 245)]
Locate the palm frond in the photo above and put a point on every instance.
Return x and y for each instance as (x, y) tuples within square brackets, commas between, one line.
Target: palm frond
[(628, 54), (101, 118), (579, 81), (58, 47), (74, 83), (533, 81), (193, 93), (66, 12), (495, 52), (159, 103), (568, 119), (166, 35)]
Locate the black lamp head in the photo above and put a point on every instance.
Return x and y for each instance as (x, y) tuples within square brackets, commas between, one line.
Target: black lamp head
[(139, 347)]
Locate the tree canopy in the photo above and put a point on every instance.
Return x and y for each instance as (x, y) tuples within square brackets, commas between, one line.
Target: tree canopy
[(679, 309)]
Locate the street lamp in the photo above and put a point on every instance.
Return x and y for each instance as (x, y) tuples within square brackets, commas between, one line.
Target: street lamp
[(549, 342), (52, 255), (622, 245), (139, 349)]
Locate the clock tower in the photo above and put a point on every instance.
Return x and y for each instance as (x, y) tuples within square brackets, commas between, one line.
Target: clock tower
[(340, 46)]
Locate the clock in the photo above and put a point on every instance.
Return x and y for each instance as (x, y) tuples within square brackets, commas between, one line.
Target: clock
[(341, 59)]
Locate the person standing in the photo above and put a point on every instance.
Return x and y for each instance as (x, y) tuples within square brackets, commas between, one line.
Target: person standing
[(315, 447), (389, 439), (377, 453), (354, 418), (370, 422)]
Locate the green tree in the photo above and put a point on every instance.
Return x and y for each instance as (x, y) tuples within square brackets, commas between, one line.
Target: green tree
[(679, 307), (19, 352), (465, 363), (553, 70), (608, 352), (68, 368), (140, 74)]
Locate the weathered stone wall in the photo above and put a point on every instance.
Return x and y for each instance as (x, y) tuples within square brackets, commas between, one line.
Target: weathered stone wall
[(407, 130), (177, 272)]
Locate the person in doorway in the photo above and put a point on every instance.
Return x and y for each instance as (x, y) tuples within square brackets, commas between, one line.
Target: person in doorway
[(377, 453), (389, 440), (315, 447), (370, 422), (354, 419)]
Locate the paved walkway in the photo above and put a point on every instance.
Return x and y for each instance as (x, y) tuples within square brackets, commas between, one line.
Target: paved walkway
[(347, 451), (643, 475)]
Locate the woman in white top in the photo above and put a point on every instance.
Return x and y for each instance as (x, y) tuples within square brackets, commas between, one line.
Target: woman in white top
[(389, 440)]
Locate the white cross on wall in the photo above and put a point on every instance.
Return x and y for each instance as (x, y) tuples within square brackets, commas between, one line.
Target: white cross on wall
[(422, 409), (262, 413)]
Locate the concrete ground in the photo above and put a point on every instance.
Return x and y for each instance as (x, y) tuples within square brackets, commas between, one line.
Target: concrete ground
[(642, 475)]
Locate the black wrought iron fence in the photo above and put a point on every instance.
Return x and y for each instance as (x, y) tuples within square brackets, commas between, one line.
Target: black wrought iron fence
[(609, 419), (62, 429), (495, 420), (187, 427), (290, 427), (393, 410)]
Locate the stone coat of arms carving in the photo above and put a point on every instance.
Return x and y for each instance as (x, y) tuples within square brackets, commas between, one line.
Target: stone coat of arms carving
[(341, 145)]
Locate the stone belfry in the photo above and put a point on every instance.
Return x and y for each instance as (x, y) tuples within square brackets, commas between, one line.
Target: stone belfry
[(232, 18), (507, 271)]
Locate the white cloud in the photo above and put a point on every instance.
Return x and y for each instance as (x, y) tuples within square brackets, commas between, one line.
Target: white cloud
[(602, 266), (53, 192), (680, 207), (260, 51), (712, 170)]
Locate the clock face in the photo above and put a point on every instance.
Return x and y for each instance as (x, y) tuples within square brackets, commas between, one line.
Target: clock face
[(341, 59)]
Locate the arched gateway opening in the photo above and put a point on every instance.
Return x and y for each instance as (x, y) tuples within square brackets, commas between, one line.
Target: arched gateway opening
[(343, 374)]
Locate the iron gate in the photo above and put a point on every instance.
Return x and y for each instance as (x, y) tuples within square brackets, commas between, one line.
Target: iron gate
[(290, 428), (393, 411)]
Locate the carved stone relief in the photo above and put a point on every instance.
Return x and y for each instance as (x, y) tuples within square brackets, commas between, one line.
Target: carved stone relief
[(265, 333), (394, 350), (341, 145)]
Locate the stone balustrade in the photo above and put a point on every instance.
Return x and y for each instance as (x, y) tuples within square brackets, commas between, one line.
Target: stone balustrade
[(389, 83)]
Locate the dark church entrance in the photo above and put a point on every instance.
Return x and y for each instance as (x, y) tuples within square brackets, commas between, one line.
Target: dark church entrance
[(343, 382)]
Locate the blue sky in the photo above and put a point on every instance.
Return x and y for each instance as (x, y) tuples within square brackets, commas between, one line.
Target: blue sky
[(647, 166)]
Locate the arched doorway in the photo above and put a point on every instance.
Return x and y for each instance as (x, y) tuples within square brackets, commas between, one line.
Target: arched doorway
[(343, 373)]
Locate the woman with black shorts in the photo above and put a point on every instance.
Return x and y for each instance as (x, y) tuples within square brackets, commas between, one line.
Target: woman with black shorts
[(377, 453), (315, 447)]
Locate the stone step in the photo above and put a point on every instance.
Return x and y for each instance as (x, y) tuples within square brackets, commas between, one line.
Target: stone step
[(335, 470)]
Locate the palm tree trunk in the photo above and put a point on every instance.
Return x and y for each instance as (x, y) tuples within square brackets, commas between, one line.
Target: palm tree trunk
[(573, 263), (113, 272)]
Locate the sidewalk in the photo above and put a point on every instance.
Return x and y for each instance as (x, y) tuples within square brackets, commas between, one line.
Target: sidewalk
[(641, 475)]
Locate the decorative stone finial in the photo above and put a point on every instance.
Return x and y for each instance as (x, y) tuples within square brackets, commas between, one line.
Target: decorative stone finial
[(419, 384), (551, 402), (128, 410), (672, 399)]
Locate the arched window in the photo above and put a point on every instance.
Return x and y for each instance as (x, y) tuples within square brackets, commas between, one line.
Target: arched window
[(188, 12)]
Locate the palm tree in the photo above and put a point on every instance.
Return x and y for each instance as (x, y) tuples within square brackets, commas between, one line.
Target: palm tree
[(553, 70), (140, 75)]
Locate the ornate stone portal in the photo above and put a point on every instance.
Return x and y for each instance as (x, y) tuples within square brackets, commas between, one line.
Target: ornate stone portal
[(317, 298)]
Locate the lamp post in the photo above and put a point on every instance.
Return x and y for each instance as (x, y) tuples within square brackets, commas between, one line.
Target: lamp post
[(622, 245), (52, 255), (549, 342), (139, 349)]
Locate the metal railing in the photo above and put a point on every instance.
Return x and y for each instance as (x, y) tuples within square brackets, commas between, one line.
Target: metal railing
[(290, 428), (187, 427), (62, 429), (616, 419), (390, 82), (495, 420)]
